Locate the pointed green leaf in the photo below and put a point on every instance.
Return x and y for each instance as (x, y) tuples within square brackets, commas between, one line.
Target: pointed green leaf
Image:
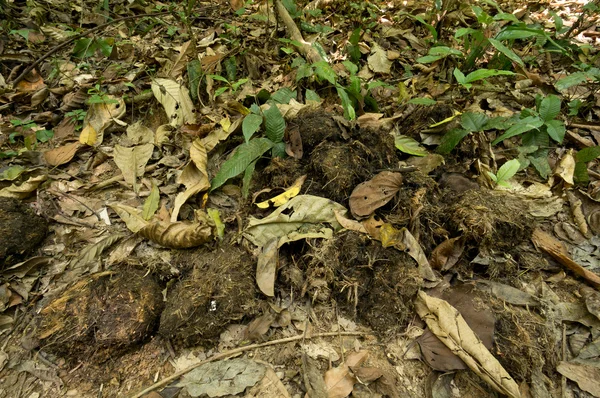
[(244, 155), (550, 107), (460, 77), (250, 125), (556, 130), (324, 71), (422, 101), (451, 139), (473, 121), (588, 154), (522, 126), (481, 74), (510, 54), (274, 124), (408, 145), (508, 170)]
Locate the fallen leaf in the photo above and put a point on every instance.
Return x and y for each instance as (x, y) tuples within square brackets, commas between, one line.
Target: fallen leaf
[(447, 253), (62, 154), (132, 161), (98, 118), (176, 101), (585, 376), (177, 235), (281, 199), (266, 268), (371, 195), (378, 60)]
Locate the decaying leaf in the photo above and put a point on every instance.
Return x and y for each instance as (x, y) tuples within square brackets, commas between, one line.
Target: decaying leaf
[(131, 216), (340, 380), (266, 268), (586, 376), (98, 118), (447, 253), (259, 326), (303, 216), (194, 177), (176, 101), (177, 235), (24, 190), (371, 195), (140, 134), (450, 327), (378, 60), (132, 161), (285, 196), (62, 154), (217, 379)]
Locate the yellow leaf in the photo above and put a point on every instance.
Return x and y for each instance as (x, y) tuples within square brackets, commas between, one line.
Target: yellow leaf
[(88, 135), (284, 197), (447, 120)]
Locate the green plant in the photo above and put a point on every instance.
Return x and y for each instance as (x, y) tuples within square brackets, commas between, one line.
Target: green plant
[(87, 47), (30, 132), (505, 172), (581, 159), (247, 154), (232, 86), (77, 115), (97, 96), (479, 74)]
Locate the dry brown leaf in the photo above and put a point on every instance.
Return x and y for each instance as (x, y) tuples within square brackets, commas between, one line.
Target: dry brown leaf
[(585, 376), (259, 326), (293, 145), (178, 235), (451, 328), (185, 53), (340, 380), (62, 154), (446, 254), (266, 268), (371, 195)]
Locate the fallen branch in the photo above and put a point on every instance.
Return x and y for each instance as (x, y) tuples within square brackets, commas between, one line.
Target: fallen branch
[(555, 248), (306, 49), (236, 351)]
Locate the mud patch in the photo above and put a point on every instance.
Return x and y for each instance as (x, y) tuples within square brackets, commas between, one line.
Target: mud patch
[(101, 315), (219, 290)]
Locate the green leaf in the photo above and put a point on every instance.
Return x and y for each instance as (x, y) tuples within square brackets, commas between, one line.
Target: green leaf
[(471, 121), (298, 61), (498, 123), (219, 78), (220, 91), (351, 66), (244, 155), (250, 125), (247, 179), (508, 170), (588, 154), (427, 59), (349, 112), (422, 101), (11, 173), (536, 138), (451, 139), (522, 126), (514, 33), (408, 145), (284, 95), (443, 51), (274, 124), (324, 71), (311, 95), (237, 84), (510, 54), (104, 46), (44, 135), (463, 32), (581, 174), (151, 203), (304, 70), (569, 81), (539, 160), (556, 130), (481, 74), (505, 16), (460, 77), (550, 107), (278, 150)]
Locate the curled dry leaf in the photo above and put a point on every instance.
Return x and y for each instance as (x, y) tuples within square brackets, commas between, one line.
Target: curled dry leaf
[(447, 253), (451, 328), (62, 154), (98, 118), (340, 380), (178, 235), (284, 197), (371, 195)]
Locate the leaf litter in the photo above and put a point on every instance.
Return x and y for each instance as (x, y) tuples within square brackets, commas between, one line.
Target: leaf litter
[(123, 255)]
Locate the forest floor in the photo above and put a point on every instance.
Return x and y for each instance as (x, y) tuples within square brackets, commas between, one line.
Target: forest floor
[(289, 199)]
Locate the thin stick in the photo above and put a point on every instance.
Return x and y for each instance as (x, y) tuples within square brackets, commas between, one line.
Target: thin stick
[(69, 40), (238, 350)]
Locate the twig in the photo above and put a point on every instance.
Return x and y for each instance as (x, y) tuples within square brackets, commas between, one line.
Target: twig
[(238, 350), (306, 49), (69, 40)]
